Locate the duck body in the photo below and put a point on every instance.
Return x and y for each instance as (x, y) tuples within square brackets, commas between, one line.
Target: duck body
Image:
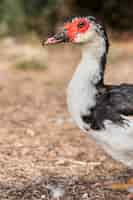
[(101, 111)]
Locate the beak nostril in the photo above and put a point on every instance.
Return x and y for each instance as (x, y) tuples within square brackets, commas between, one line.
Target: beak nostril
[(60, 36), (57, 38)]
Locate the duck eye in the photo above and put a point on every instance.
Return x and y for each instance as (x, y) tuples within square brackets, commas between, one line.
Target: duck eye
[(81, 24)]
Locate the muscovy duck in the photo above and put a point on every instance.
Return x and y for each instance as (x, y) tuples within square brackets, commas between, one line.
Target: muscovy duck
[(102, 111)]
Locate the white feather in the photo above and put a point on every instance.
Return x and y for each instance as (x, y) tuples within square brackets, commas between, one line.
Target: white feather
[(117, 141), (81, 92)]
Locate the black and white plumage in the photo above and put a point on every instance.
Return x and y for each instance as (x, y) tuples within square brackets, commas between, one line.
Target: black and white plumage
[(105, 109), (111, 103)]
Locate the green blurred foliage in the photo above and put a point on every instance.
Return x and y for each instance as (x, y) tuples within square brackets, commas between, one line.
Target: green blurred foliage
[(42, 16), (12, 17), (18, 16)]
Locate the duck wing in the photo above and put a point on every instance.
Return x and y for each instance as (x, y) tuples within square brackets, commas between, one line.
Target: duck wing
[(112, 102), (121, 98)]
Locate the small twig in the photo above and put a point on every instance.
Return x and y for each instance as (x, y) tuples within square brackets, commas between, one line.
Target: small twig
[(76, 162)]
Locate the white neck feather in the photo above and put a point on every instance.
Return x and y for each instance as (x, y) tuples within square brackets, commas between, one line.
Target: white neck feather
[(82, 90)]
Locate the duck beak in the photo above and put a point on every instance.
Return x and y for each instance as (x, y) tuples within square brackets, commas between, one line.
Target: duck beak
[(57, 38)]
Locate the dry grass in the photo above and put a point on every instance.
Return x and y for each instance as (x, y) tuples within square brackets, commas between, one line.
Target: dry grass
[(30, 65)]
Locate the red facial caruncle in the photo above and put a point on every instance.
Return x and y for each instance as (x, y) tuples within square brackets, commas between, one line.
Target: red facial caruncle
[(78, 25)]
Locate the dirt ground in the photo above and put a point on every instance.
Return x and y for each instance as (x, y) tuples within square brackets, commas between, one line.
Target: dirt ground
[(43, 155)]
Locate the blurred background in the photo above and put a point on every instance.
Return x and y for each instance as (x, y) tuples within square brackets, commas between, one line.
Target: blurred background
[(31, 22), (40, 16), (37, 135)]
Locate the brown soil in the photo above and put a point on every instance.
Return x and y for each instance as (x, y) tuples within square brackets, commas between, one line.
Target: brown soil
[(40, 147)]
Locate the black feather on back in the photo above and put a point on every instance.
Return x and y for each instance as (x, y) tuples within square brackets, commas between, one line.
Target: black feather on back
[(111, 103)]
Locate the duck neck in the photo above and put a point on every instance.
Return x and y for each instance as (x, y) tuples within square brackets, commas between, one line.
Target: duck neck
[(93, 61), (83, 87)]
